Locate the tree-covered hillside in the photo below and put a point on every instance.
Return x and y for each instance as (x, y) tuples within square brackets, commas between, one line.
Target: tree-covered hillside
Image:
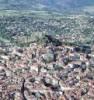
[(20, 26)]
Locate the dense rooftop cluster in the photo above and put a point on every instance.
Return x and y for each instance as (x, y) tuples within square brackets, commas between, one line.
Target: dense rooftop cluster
[(48, 71)]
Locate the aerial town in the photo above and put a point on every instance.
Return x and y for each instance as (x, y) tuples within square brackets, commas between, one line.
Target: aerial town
[(46, 49), (49, 70)]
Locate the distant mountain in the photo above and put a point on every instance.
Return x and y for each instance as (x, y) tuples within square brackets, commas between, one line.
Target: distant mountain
[(50, 5)]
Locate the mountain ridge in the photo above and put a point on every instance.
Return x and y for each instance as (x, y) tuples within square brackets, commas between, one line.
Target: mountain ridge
[(51, 5)]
